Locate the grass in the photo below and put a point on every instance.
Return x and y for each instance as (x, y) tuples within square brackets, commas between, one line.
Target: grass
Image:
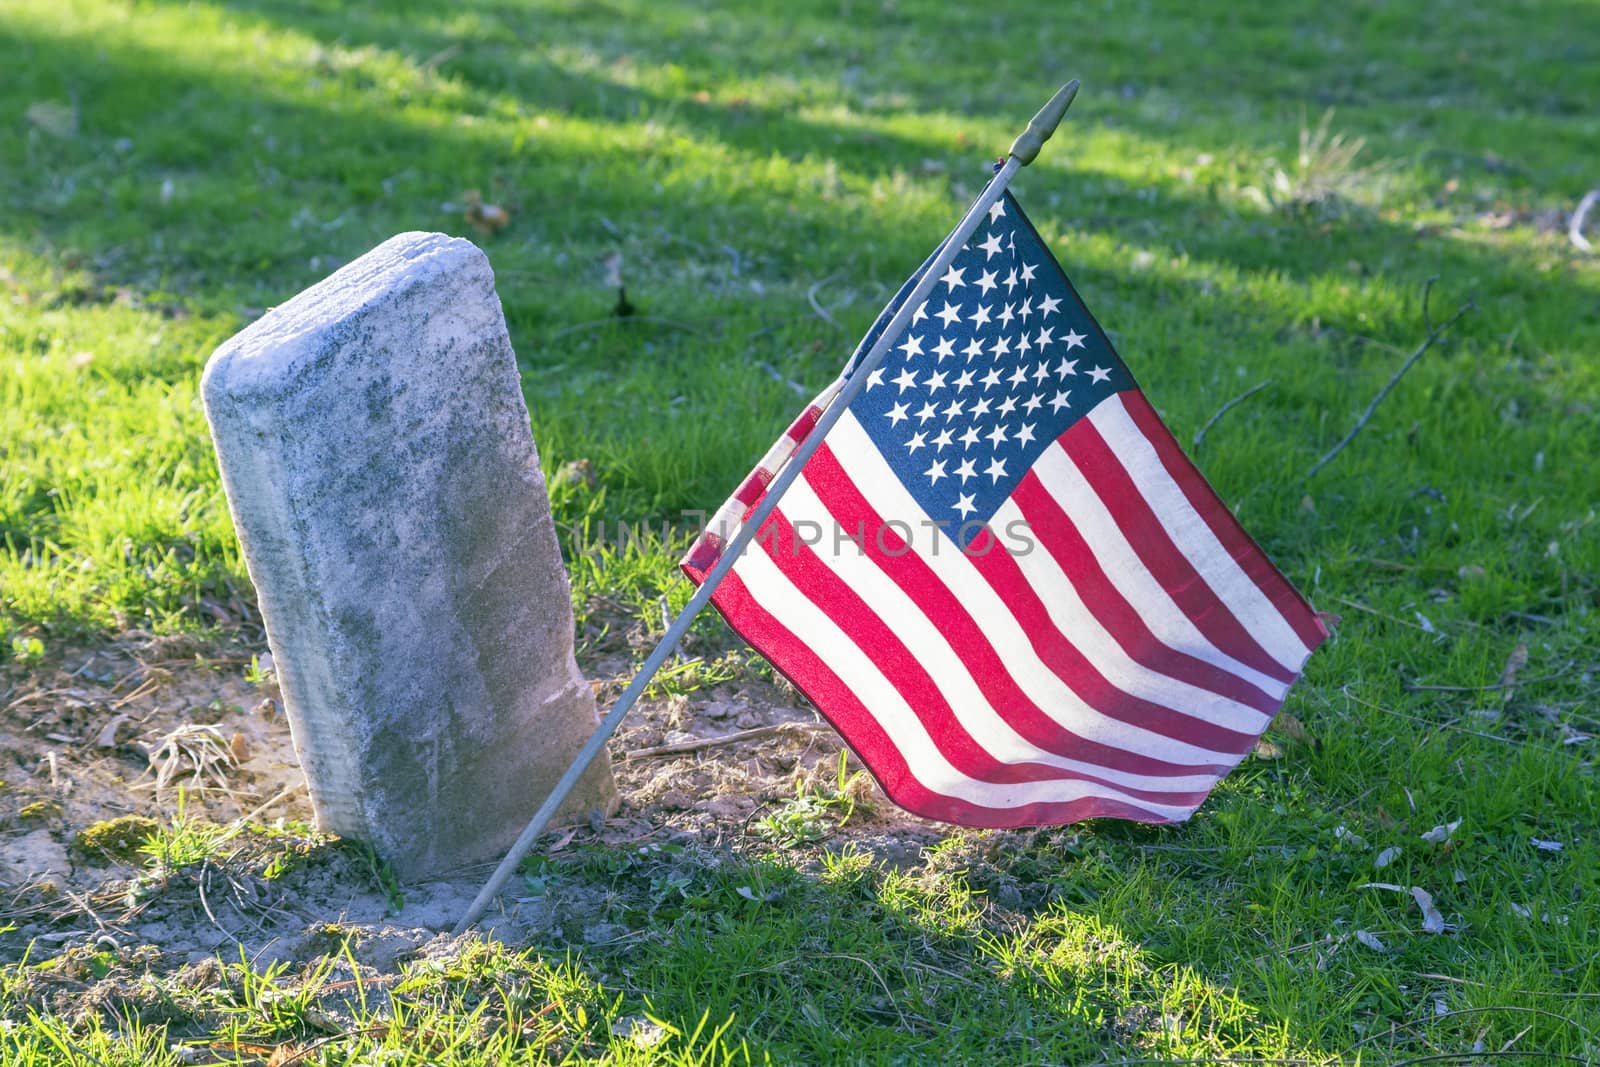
[(195, 163)]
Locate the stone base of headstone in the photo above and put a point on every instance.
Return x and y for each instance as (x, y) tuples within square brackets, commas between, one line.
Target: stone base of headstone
[(378, 462)]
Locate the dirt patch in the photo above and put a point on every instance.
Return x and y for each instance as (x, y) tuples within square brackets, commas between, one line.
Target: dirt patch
[(105, 743)]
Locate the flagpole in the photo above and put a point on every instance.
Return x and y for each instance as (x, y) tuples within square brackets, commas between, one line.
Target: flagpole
[(1023, 151)]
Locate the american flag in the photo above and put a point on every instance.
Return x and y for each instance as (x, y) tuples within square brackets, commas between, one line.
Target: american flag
[(999, 577)]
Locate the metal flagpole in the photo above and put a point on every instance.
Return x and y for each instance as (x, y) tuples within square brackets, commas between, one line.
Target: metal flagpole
[(1023, 151)]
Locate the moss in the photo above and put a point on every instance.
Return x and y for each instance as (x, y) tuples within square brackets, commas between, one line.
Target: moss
[(39, 809), (119, 838)]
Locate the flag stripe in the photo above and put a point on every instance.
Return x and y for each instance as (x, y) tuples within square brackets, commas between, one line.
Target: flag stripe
[(1071, 659), (1136, 517), (889, 739), (810, 576), (1210, 633), (1087, 602), (939, 652), (1193, 535), (1225, 526), (946, 586)]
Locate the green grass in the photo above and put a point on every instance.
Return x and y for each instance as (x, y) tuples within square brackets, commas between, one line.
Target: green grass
[(215, 158)]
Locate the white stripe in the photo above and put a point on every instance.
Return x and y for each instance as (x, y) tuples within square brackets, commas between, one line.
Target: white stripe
[(935, 655), (1193, 536), (1089, 636), (866, 467), (796, 613), (1172, 626)]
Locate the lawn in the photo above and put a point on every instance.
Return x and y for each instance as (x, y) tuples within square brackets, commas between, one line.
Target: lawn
[(1241, 194)]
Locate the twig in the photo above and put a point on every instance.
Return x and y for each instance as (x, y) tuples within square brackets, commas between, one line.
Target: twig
[(778, 377), (1575, 227), (1200, 435), (1440, 1057), (822, 312), (1485, 688), (725, 739), (1434, 333), (1428, 722), (1518, 992), (1509, 1008)]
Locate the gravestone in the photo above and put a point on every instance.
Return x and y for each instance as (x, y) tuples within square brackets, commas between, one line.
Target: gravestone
[(378, 462)]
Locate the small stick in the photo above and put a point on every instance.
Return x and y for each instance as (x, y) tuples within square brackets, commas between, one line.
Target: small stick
[(1575, 227), (1434, 333), (1485, 688), (822, 312), (1200, 435), (725, 739)]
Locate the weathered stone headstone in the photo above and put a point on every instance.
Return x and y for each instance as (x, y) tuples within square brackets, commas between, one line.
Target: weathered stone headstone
[(378, 462)]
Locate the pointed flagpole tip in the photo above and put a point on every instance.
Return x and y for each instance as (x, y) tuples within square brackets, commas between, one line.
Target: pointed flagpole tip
[(1026, 147)]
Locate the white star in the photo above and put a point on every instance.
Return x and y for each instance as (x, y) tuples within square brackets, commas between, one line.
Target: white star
[(966, 470), (1059, 401), (1019, 376), (897, 415), (920, 314), (991, 246), (1008, 406), (1048, 305), (927, 412), (1001, 347), (950, 314), (935, 382), (980, 317), (963, 381), (942, 440), (997, 210), (985, 282), (1011, 280), (936, 472), (981, 408), (1025, 434), (969, 437), (1041, 372), (918, 440), (1026, 309), (1027, 273), (964, 504), (1046, 335), (974, 348), (905, 379), (1033, 402), (991, 379), (945, 347), (1023, 344), (913, 346), (996, 470), (1099, 374), (1066, 367), (875, 378), (952, 278), (997, 436), (1007, 315), (1074, 339), (953, 411)]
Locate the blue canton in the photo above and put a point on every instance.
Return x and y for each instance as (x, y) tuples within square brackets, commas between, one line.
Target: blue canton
[(995, 365)]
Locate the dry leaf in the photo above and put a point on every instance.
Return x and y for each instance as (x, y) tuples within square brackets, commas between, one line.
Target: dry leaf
[(108, 732), (1440, 834), (1432, 921), (1267, 750), (1546, 846), (1514, 664), (1370, 939), (239, 748), (1292, 728), (1386, 857)]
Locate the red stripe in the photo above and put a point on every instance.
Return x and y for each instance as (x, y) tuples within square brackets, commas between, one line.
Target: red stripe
[(835, 700), (1224, 525), (1059, 536), (802, 425), (912, 574), (752, 487), (1161, 557), (990, 559), (879, 642)]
